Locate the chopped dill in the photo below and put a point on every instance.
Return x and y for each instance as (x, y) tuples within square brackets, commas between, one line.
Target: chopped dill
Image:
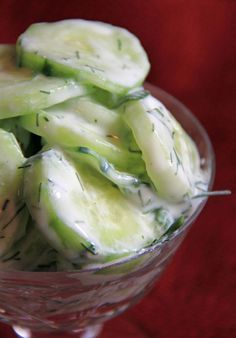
[(137, 151), (14, 256), (159, 111), (113, 136), (5, 204), (119, 44), (178, 163), (90, 248), (94, 69), (39, 192), (45, 92), (78, 178), (13, 217), (141, 198), (212, 193), (27, 165), (37, 120), (77, 54)]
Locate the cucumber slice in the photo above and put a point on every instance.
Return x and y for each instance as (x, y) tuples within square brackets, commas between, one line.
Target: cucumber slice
[(9, 73), (171, 157), (13, 213), (21, 93), (82, 214), (31, 252), (106, 56), (83, 122), (143, 195)]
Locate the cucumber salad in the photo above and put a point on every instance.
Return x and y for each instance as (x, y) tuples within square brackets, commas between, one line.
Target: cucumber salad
[(93, 168)]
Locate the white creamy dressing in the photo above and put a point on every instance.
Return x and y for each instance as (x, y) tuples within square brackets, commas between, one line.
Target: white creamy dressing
[(66, 195), (95, 218), (146, 198), (72, 205), (164, 138)]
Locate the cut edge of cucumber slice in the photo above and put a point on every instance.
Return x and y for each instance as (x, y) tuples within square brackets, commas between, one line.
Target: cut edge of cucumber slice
[(40, 92)]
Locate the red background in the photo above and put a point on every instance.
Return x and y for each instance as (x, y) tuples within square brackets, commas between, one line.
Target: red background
[(192, 49)]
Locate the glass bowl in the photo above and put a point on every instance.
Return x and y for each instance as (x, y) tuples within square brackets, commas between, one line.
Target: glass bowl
[(39, 304)]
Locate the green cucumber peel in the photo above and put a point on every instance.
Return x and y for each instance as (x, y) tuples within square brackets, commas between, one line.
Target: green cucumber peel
[(84, 122), (114, 101), (121, 179), (23, 92)]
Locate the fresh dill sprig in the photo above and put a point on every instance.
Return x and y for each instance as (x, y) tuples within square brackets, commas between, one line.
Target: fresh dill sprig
[(212, 193)]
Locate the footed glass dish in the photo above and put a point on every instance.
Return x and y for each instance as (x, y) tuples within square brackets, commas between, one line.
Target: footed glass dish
[(77, 303)]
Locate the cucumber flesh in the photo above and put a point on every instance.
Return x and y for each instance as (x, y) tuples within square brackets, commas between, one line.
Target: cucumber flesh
[(106, 56), (22, 93), (82, 214), (171, 158), (13, 212), (82, 122)]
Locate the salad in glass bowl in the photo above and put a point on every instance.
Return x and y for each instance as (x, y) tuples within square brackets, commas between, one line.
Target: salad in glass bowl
[(100, 175)]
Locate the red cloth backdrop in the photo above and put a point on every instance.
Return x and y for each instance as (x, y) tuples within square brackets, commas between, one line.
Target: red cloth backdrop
[(191, 45)]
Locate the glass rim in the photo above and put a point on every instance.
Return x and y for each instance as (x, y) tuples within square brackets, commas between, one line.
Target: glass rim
[(135, 255)]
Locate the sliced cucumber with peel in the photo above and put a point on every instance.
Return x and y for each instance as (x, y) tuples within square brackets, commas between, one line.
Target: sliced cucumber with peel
[(77, 210), (106, 56), (32, 252), (29, 253), (13, 212), (82, 122), (171, 158), (116, 174), (22, 93)]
